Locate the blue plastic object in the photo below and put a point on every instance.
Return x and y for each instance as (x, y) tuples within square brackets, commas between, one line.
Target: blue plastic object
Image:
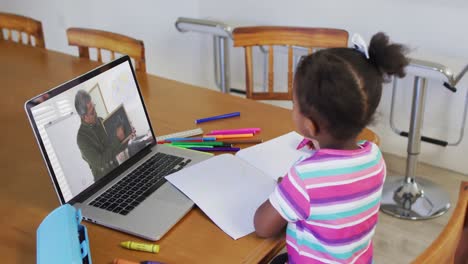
[(62, 239)]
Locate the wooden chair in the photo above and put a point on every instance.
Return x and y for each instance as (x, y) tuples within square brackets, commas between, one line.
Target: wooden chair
[(290, 37), (27, 28), (310, 38), (454, 235), (115, 43)]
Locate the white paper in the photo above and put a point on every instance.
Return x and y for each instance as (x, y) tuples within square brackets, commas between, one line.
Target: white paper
[(275, 156), (227, 189)]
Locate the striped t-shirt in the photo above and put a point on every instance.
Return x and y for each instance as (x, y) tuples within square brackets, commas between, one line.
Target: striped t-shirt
[(331, 201)]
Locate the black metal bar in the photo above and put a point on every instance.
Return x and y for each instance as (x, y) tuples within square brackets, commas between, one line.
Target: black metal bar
[(450, 87), (428, 139), (238, 91)]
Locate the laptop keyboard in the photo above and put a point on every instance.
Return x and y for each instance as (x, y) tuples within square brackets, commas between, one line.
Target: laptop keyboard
[(134, 188)]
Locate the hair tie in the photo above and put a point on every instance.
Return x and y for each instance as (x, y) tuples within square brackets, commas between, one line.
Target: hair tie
[(360, 45)]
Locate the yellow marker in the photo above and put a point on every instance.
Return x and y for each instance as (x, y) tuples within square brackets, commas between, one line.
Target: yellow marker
[(153, 248)]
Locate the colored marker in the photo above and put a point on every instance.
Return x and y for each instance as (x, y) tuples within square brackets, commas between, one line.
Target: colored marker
[(124, 261), (235, 131), (212, 118), (233, 136), (153, 248), (207, 143), (303, 143), (197, 139), (191, 146), (216, 149), (243, 141)]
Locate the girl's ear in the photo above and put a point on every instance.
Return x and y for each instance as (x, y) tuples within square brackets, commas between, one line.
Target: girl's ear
[(311, 127)]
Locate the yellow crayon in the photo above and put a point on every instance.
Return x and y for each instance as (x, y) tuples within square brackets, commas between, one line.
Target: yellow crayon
[(153, 248)]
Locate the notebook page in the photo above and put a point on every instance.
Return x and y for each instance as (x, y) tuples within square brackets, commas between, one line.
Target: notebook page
[(274, 157), (227, 189)]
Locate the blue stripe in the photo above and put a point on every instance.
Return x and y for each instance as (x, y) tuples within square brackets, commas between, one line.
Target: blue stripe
[(346, 213), (318, 247), (341, 171)]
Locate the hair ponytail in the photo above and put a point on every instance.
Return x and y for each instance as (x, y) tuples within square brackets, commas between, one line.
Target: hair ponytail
[(388, 58)]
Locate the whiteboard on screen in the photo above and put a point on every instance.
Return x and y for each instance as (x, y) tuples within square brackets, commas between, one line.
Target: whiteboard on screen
[(62, 136)]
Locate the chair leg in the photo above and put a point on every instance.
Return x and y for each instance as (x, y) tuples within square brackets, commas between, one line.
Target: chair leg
[(407, 198), (280, 259)]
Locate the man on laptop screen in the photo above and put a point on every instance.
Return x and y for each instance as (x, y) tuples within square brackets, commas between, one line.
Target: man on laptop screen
[(100, 150)]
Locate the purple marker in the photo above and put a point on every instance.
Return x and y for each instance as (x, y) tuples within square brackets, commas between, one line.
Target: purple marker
[(216, 149), (202, 120)]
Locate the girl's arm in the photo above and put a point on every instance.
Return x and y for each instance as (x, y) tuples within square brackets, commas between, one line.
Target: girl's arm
[(267, 221)]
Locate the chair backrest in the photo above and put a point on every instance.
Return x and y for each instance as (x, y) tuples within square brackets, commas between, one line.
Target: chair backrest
[(103, 40), (26, 28), (444, 248), (270, 36)]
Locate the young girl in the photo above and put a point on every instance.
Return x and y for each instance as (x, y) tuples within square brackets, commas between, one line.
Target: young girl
[(330, 200)]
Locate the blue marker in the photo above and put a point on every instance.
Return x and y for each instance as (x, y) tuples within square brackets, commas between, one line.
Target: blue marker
[(198, 121)]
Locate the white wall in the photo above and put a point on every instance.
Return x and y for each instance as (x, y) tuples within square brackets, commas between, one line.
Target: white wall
[(152, 21), (434, 30)]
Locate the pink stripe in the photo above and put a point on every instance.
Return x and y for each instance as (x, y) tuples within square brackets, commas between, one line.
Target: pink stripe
[(347, 189), (341, 201), (343, 221), (345, 232), (294, 257), (304, 259), (299, 201), (366, 257), (366, 147), (343, 177)]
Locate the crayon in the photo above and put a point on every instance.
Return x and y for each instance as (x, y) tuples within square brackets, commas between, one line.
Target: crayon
[(153, 248)]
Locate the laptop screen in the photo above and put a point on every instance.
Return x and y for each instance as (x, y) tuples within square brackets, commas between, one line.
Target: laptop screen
[(89, 126)]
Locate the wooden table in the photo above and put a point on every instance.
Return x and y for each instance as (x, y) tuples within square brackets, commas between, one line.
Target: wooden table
[(27, 194), (26, 191)]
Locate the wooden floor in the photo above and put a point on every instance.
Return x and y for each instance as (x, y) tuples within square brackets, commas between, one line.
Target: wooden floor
[(400, 241)]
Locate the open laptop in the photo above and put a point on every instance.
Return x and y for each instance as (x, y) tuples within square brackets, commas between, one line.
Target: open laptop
[(100, 149)]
